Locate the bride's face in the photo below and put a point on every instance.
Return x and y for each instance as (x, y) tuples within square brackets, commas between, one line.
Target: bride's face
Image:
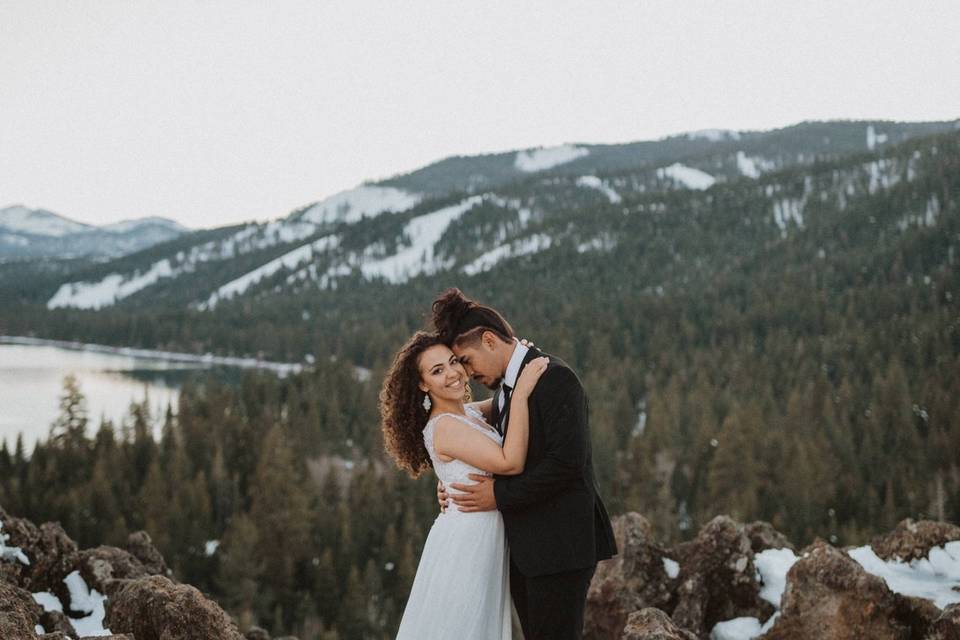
[(441, 374)]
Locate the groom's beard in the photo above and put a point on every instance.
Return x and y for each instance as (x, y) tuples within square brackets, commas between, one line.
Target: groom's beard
[(493, 386)]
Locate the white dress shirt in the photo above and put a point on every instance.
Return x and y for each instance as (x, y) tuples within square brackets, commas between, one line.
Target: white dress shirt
[(513, 370)]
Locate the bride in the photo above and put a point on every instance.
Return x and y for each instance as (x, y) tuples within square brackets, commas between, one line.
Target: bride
[(461, 589)]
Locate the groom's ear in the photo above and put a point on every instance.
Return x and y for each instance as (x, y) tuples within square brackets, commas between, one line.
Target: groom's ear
[(489, 340)]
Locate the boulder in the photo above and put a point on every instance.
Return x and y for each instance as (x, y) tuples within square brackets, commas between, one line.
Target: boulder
[(156, 608), (632, 580), (104, 568), (56, 622), (256, 633), (763, 536), (717, 578), (829, 596), (653, 624), (912, 540), (947, 625), (19, 614), (50, 550), (141, 546)]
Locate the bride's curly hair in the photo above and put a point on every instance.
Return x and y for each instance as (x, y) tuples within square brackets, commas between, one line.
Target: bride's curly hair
[(402, 416)]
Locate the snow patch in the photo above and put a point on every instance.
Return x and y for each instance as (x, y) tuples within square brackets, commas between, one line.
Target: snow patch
[(786, 210), (547, 157), (526, 246), (714, 135), (593, 182), (671, 567), (210, 547), (874, 138), (753, 166), (687, 176), (48, 601), (289, 260), (772, 566), (423, 232), (39, 222), (737, 629), (363, 201), (89, 601), (109, 290), (935, 577), (11, 553)]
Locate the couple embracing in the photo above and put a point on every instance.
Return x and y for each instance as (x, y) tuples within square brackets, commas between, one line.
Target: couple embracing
[(525, 522)]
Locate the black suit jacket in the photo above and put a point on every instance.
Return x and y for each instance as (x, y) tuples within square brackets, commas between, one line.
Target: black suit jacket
[(554, 518)]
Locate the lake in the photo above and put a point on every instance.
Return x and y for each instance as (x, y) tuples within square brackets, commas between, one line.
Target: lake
[(32, 373)]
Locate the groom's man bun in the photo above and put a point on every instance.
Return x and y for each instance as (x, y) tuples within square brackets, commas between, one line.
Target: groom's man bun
[(458, 319)]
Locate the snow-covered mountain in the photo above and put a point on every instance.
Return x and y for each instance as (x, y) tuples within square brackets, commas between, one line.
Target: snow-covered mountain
[(37, 233), (468, 215)]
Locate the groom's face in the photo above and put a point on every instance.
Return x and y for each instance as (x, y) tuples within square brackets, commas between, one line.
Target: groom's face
[(481, 363)]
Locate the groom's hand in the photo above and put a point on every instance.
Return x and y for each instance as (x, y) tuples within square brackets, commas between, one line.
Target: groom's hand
[(477, 497), (442, 496)]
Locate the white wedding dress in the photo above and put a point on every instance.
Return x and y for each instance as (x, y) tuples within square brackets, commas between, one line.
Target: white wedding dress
[(462, 587)]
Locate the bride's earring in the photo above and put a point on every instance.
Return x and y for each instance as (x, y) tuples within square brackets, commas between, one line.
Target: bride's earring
[(426, 402)]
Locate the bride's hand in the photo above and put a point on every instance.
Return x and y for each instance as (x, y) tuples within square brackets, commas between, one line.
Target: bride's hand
[(529, 376), (526, 343)]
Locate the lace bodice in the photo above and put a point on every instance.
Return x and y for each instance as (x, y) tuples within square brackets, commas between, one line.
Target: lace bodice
[(457, 470)]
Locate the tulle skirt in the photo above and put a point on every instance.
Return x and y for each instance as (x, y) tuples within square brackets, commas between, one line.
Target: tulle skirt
[(462, 587)]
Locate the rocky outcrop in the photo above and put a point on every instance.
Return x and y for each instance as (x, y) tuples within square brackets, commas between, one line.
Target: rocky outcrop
[(911, 540), (947, 625), (830, 596), (717, 578), (763, 536), (51, 552), (19, 614), (713, 578), (633, 580), (156, 608), (105, 568), (142, 601), (141, 547), (653, 624)]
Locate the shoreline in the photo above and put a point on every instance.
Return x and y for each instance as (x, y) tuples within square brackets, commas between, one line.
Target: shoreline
[(280, 368)]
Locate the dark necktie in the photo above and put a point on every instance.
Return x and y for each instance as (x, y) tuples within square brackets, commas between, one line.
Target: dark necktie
[(506, 390)]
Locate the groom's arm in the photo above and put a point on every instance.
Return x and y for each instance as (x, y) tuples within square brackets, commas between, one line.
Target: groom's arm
[(562, 406)]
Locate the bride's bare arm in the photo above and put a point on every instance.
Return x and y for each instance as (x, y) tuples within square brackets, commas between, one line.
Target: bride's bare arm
[(457, 440)]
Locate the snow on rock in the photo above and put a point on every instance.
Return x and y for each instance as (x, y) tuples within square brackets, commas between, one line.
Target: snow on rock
[(686, 176), (547, 157), (936, 577), (526, 246), (593, 182), (714, 135), (772, 566), (210, 547), (671, 567), (39, 222), (89, 601), (786, 210), (289, 260), (874, 138), (48, 601), (366, 200), (736, 629), (11, 553), (114, 287)]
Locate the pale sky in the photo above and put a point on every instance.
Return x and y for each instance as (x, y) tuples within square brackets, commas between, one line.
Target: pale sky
[(214, 112)]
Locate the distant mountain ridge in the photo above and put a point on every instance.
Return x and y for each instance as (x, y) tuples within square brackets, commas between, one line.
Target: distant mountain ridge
[(39, 233)]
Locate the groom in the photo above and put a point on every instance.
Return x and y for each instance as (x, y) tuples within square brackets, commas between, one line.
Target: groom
[(555, 522)]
